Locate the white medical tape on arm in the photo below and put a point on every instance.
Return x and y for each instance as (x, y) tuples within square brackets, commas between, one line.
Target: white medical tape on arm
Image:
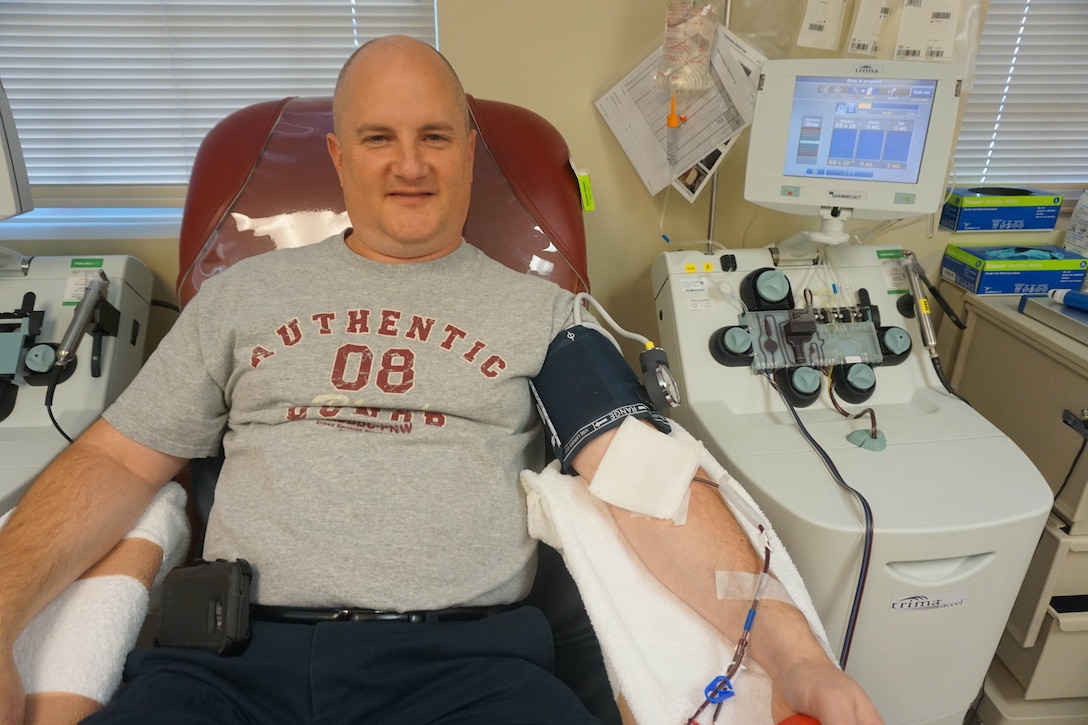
[(646, 471), (742, 585), (680, 516)]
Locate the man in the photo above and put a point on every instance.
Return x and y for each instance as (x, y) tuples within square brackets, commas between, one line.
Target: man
[(376, 415)]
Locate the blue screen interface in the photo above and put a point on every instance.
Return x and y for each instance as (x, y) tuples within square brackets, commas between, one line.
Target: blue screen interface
[(859, 128)]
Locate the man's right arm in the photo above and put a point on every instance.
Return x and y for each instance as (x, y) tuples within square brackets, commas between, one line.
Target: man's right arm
[(80, 506)]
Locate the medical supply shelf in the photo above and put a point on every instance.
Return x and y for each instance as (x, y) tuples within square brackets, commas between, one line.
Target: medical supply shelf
[(1023, 376)]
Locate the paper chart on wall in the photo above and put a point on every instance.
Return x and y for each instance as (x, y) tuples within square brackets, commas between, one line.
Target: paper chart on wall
[(635, 110)]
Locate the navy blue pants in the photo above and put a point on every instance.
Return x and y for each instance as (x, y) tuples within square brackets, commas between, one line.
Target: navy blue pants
[(494, 670)]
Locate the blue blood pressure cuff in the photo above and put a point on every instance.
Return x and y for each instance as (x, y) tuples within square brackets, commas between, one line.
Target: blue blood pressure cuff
[(585, 388)]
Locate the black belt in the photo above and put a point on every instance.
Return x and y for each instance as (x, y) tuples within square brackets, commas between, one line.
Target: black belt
[(317, 615)]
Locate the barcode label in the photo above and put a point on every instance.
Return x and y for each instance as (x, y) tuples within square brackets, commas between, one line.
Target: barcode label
[(935, 53), (941, 16), (913, 3), (859, 47), (908, 52), (816, 27)]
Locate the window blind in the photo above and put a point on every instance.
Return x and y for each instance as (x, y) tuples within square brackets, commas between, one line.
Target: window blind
[(122, 92), (1026, 119)]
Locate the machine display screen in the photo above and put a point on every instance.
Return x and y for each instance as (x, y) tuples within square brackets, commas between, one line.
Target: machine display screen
[(859, 128)]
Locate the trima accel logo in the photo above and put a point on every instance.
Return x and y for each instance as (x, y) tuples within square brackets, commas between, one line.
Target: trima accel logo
[(931, 601)]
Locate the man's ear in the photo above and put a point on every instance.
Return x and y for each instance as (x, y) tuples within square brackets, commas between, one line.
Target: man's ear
[(336, 153)]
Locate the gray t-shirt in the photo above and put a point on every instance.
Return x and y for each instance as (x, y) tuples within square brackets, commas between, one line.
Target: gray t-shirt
[(375, 418)]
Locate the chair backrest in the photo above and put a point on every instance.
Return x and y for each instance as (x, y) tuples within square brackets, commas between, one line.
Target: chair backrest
[(262, 179)]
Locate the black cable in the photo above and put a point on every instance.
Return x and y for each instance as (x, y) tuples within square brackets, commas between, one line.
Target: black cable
[(944, 380), (916, 277), (1072, 467), (49, 401), (971, 718), (867, 511), (167, 305), (951, 314)]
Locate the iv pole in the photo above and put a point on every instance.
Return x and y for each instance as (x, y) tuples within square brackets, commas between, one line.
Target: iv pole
[(714, 181)]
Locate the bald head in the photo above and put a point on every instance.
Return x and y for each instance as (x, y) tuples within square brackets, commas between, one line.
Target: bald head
[(381, 54), (403, 148)]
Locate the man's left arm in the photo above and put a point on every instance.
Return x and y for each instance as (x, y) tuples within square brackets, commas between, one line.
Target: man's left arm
[(685, 559)]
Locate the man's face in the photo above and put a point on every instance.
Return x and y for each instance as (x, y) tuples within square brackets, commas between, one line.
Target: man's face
[(404, 156)]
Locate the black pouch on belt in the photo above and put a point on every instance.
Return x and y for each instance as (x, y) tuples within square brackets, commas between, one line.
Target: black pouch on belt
[(206, 606)]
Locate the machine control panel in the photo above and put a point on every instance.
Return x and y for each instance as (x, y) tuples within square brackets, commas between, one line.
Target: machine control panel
[(837, 323), (72, 332)]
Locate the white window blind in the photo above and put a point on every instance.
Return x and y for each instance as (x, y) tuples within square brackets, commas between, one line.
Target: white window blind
[(122, 92), (1026, 119)]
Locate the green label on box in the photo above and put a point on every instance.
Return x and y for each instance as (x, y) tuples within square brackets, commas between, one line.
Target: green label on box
[(956, 253), (1026, 200)]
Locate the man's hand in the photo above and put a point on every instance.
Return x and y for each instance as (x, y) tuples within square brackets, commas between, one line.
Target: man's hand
[(820, 689), (12, 694)]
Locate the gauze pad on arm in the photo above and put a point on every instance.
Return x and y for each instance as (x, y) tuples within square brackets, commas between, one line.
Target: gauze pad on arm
[(646, 471)]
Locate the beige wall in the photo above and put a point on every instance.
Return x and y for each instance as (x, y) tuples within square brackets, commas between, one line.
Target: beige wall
[(557, 58)]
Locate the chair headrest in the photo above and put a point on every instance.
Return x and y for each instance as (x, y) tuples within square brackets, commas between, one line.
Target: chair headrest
[(262, 179)]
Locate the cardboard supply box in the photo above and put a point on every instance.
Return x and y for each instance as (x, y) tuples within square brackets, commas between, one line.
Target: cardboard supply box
[(987, 209), (1004, 270)]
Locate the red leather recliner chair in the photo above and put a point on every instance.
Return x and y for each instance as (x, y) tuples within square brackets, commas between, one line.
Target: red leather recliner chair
[(262, 179)]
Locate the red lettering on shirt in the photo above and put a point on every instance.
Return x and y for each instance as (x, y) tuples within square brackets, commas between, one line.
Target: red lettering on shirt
[(420, 328), (290, 333), (353, 360), (259, 353), (397, 373), (324, 319), (471, 354), (389, 323), (493, 366), (358, 321), (452, 333)]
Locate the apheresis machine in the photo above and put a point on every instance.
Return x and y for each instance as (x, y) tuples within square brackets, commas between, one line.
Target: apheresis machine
[(72, 333), (810, 369)]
